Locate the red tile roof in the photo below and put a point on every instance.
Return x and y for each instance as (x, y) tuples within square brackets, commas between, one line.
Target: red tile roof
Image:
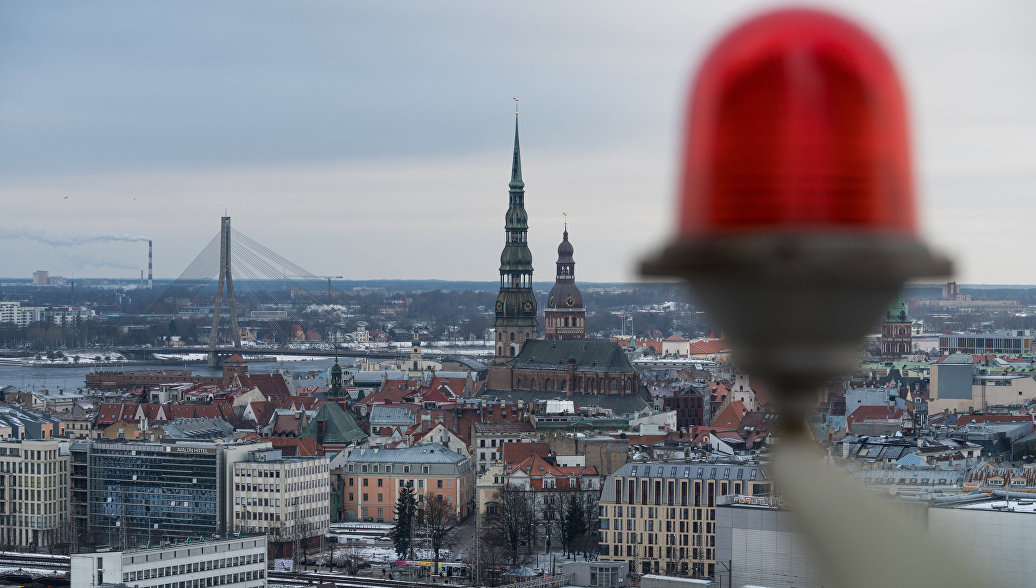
[(286, 424), (518, 452), (271, 385), (110, 413), (709, 346), (537, 468), (872, 413), (762, 391), (294, 446), (991, 417), (730, 417)]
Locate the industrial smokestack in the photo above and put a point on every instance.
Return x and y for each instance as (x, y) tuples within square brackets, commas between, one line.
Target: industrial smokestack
[(150, 278)]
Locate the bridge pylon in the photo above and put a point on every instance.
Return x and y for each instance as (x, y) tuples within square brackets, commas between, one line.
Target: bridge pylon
[(225, 277)]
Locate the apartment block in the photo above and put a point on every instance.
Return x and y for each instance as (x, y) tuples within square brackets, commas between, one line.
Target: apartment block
[(34, 493), (660, 517), (374, 476)]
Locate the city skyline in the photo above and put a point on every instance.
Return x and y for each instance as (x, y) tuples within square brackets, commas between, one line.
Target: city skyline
[(373, 141)]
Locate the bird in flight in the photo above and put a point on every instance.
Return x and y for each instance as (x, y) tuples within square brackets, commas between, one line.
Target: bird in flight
[(65, 198)]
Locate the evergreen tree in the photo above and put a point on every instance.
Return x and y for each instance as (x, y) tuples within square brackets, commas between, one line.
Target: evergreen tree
[(575, 523), (402, 531)]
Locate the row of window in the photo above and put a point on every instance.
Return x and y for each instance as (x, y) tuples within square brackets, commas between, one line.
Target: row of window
[(276, 472), (190, 568), (376, 468), (33, 522), (221, 580), (649, 552), (652, 512), (29, 467), (36, 481), (670, 526), (652, 539)]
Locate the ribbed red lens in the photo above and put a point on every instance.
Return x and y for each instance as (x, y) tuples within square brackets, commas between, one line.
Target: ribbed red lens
[(797, 122)]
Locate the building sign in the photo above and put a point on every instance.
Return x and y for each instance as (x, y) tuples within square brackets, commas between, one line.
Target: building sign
[(179, 449), (283, 565), (767, 501)]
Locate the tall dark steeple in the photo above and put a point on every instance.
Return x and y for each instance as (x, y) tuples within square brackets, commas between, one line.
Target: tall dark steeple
[(516, 304), (335, 390), (565, 316)]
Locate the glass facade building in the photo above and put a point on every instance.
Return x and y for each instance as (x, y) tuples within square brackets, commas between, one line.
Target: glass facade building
[(141, 492)]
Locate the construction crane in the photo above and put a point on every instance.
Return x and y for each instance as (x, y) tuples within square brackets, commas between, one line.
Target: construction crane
[(330, 289)]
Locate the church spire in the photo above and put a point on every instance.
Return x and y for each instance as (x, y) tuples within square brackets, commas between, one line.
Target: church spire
[(564, 316), (516, 307), (516, 160)]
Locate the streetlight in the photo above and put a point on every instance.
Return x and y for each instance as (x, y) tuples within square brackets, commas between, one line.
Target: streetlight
[(730, 574)]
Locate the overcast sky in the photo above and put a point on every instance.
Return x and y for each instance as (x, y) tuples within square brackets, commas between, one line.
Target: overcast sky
[(373, 139)]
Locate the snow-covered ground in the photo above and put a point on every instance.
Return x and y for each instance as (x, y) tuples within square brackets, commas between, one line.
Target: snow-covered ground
[(34, 555), (86, 358), (31, 571)]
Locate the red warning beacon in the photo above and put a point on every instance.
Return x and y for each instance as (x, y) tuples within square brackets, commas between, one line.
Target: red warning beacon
[(796, 221), (797, 122)]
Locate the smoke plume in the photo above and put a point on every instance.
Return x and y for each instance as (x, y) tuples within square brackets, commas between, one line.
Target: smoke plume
[(66, 239)]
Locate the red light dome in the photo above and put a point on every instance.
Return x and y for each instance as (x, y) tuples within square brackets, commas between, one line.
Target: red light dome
[(797, 122)]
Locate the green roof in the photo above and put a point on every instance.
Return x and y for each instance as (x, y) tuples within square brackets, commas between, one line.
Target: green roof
[(340, 427)]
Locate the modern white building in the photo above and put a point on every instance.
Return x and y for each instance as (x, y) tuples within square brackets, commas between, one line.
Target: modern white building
[(282, 496), (22, 316), (233, 561)]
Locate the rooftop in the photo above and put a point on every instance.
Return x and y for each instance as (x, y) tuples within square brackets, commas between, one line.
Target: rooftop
[(421, 454)]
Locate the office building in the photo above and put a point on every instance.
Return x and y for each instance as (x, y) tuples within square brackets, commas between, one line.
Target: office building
[(143, 492), (233, 562), (661, 516), (1010, 342), (286, 498), (758, 542), (34, 493)]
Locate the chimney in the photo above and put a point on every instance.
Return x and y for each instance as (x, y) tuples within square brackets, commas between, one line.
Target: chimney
[(150, 278)]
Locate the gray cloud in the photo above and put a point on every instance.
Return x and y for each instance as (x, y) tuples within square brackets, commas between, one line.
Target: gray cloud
[(331, 130)]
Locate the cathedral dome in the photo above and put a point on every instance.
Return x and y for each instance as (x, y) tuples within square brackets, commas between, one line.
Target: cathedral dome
[(565, 294), (565, 250)]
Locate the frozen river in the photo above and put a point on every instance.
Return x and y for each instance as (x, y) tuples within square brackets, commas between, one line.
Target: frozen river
[(71, 378)]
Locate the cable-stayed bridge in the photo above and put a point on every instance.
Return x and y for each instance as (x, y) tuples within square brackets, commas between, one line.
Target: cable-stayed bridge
[(239, 281)]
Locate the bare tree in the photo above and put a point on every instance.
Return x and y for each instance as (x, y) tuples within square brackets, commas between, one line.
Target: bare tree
[(552, 514), (492, 551), (514, 520), (438, 515)]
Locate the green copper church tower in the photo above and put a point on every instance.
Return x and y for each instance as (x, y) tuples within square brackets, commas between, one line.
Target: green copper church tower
[(516, 304)]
